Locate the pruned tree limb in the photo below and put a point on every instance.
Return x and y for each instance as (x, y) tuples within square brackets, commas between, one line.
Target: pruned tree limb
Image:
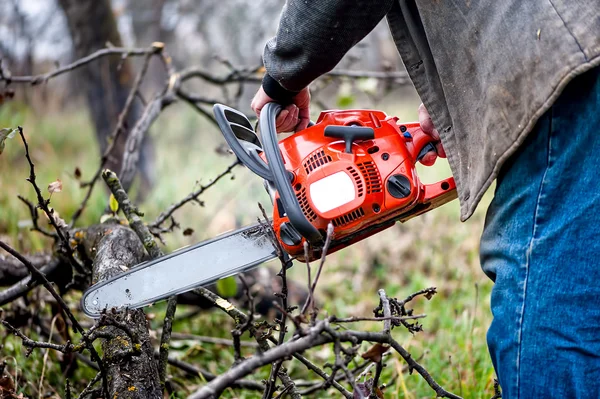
[(134, 217), (128, 352), (27, 282)]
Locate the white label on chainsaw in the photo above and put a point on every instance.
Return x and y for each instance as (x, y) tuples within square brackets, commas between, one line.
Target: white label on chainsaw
[(332, 191)]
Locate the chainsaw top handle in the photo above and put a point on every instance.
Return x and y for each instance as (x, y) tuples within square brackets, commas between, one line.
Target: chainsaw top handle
[(281, 178)]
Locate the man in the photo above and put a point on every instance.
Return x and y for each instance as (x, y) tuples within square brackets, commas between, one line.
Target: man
[(513, 88)]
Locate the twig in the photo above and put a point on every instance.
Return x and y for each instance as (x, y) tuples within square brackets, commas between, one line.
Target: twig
[(88, 389), (276, 369), (34, 218), (133, 216), (45, 359), (313, 337), (31, 344), (193, 196), (239, 317), (334, 319), (378, 370), (211, 340), (399, 77), (68, 389), (310, 300), (193, 370), (43, 204), (41, 277), (387, 313), (497, 391), (240, 329), (43, 78)]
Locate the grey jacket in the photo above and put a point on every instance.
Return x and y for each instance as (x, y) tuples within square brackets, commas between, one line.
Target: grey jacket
[(485, 69)]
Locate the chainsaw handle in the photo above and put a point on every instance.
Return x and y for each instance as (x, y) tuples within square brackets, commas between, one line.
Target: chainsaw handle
[(422, 143), (281, 179), (239, 134)]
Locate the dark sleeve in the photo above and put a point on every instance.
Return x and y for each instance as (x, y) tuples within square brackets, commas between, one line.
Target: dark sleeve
[(313, 36)]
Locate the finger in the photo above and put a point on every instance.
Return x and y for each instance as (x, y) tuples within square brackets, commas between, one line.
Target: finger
[(440, 150), (255, 107), (259, 101), (425, 120), (303, 124), (289, 122), (279, 122), (295, 119), (429, 158), (434, 134)]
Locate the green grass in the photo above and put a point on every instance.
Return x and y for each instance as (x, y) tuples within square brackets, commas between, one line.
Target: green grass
[(432, 250)]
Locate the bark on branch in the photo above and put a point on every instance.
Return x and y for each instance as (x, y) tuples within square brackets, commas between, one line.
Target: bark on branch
[(129, 362)]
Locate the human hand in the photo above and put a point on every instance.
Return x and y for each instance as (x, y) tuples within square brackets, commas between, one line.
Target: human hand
[(428, 128), (293, 117)]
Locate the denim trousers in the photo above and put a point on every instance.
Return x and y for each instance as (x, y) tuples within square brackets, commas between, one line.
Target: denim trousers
[(541, 247)]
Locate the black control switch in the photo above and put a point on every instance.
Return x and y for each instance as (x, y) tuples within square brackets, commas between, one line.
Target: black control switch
[(398, 186)]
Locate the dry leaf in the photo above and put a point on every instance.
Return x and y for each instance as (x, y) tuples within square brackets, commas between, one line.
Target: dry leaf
[(6, 134), (55, 187), (430, 293), (375, 352)]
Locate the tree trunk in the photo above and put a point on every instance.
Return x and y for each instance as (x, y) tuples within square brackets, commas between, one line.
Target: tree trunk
[(107, 81)]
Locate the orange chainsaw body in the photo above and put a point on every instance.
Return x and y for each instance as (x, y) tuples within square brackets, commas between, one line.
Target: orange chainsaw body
[(360, 192)]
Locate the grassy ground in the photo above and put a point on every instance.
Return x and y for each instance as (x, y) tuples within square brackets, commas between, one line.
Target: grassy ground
[(433, 250)]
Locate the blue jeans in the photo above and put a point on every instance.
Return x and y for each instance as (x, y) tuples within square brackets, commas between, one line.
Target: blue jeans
[(541, 246)]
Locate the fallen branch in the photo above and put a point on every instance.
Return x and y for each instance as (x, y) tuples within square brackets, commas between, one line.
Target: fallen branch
[(41, 277)]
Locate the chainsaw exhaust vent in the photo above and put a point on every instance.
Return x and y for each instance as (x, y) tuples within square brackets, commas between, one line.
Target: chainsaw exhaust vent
[(371, 176), (315, 160), (348, 218), (306, 209), (360, 189)]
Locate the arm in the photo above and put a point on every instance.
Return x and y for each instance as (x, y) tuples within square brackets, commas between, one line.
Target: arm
[(312, 38)]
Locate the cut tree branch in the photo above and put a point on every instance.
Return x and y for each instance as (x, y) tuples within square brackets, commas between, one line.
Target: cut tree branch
[(133, 216)]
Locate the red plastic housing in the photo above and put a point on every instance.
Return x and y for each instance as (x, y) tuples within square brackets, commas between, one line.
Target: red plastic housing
[(312, 157)]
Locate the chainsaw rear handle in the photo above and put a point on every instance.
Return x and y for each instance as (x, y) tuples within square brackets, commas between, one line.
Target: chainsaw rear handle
[(281, 179), (242, 140)]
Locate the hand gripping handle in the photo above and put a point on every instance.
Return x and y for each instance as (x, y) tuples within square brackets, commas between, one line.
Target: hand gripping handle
[(239, 134), (436, 194), (422, 143), (281, 179)]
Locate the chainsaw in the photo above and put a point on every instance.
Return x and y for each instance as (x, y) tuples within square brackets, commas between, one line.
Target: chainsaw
[(352, 173)]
